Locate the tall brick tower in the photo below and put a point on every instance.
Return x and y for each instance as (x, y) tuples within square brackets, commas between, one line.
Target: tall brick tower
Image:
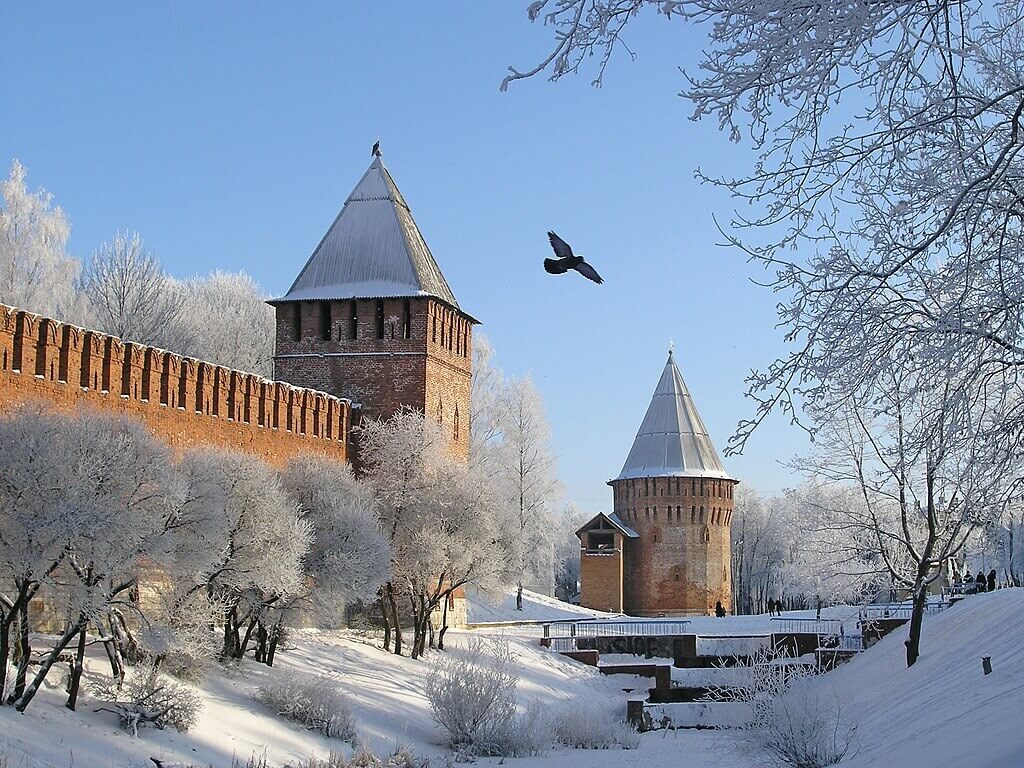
[(371, 318), (668, 536)]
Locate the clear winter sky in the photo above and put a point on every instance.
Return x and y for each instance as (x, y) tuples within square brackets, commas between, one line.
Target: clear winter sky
[(229, 135)]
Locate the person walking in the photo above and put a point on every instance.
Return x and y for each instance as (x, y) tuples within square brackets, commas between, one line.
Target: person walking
[(771, 607), (992, 580), (719, 610), (979, 581)]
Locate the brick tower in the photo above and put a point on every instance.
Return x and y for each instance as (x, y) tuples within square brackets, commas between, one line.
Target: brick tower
[(665, 549), (371, 318)]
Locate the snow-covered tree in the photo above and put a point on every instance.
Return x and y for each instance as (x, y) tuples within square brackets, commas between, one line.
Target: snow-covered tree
[(227, 321), (884, 198), (923, 457), (567, 551), (241, 537), (485, 398), (36, 273), (128, 294), (102, 488), (437, 515), (349, 558), (524, 472)]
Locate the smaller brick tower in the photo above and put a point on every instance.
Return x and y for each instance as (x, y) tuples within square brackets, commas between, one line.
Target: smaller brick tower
[(668, 536), (371, 318)]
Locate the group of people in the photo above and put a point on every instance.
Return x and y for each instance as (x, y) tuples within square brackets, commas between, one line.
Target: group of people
[(774, 607), (985, 583)]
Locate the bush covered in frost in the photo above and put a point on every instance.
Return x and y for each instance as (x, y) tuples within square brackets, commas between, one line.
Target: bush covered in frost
[(402, 757), (312, 701), (586, 726), (472, 695), (149, 698)]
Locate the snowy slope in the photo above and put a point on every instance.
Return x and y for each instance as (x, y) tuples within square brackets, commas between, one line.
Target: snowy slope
[(536, 607), (943, 711), (386, 693)]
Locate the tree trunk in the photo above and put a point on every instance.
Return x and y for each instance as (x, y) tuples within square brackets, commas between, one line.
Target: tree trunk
[(230, 635), (76, 672), (519, 596), (385, 619), (275, 638), (261, 643), (24, 650), (394, 618), (113, 656), (444, 624), (244, 645), (44, 668), (417, 627), (913, 641)]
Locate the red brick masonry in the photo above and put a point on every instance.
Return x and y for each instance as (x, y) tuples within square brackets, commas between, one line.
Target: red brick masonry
[(183, 401)]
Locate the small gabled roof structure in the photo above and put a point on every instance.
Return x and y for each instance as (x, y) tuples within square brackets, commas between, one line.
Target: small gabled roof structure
[(672, 440), (373, 249), (612, 521)]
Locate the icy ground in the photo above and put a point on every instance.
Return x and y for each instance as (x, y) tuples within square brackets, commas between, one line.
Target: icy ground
[(942, 712)]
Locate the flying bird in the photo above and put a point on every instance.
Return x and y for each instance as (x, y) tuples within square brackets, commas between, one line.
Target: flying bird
[(567, 260)]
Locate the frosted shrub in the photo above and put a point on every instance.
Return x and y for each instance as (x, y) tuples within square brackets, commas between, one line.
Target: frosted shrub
[(804, 727), (591, 727), (402, 757), (795, 719), (311, 701), (472, 695), (149, 698)]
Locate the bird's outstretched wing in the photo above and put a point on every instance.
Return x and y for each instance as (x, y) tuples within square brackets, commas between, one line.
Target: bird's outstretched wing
[(559, 245), (588, 272), (555, 266)]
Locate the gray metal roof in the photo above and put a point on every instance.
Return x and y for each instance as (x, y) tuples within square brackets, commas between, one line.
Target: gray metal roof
[(672, 441), (373, 249), (614, 520)]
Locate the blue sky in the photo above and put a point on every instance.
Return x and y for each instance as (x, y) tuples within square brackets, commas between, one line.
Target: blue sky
[(229, 135)]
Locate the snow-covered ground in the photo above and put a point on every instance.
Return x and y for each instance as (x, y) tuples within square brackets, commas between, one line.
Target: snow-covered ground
[(536, 607), (941, 712)]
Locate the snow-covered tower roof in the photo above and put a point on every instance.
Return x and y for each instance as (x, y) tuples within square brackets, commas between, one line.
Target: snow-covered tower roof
[(672, 441), (372, 250)]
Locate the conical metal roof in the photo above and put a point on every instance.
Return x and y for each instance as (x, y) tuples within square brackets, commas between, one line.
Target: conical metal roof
[(672, 441), (373, 249)]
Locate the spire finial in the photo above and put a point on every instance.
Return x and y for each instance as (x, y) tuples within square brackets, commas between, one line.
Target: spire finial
[(376, 148), (671, 347)]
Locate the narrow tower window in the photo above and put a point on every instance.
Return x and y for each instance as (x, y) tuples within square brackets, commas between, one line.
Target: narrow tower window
[(296, 321), (325, 321), (455, 428), (353, 319), (406, 320), (379, 319)]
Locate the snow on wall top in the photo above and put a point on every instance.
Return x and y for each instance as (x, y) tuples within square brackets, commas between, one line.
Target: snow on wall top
[(672, 441), (372, 249)]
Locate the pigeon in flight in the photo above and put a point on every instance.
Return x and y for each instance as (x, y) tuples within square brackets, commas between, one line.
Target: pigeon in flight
[(566, 260)]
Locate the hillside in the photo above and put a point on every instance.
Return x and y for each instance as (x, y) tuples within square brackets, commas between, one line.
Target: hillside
[(943, 711)]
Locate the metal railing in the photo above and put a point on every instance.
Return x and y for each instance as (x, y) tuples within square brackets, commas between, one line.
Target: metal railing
[(901, 611), (616, 628), (786, 626), (843, 643)]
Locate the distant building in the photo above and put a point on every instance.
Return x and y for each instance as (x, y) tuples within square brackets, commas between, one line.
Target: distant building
[(665, 548)]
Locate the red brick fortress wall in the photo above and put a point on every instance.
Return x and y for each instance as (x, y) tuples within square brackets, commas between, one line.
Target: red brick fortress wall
[(183, 401), (681, 562), (382, 354)]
